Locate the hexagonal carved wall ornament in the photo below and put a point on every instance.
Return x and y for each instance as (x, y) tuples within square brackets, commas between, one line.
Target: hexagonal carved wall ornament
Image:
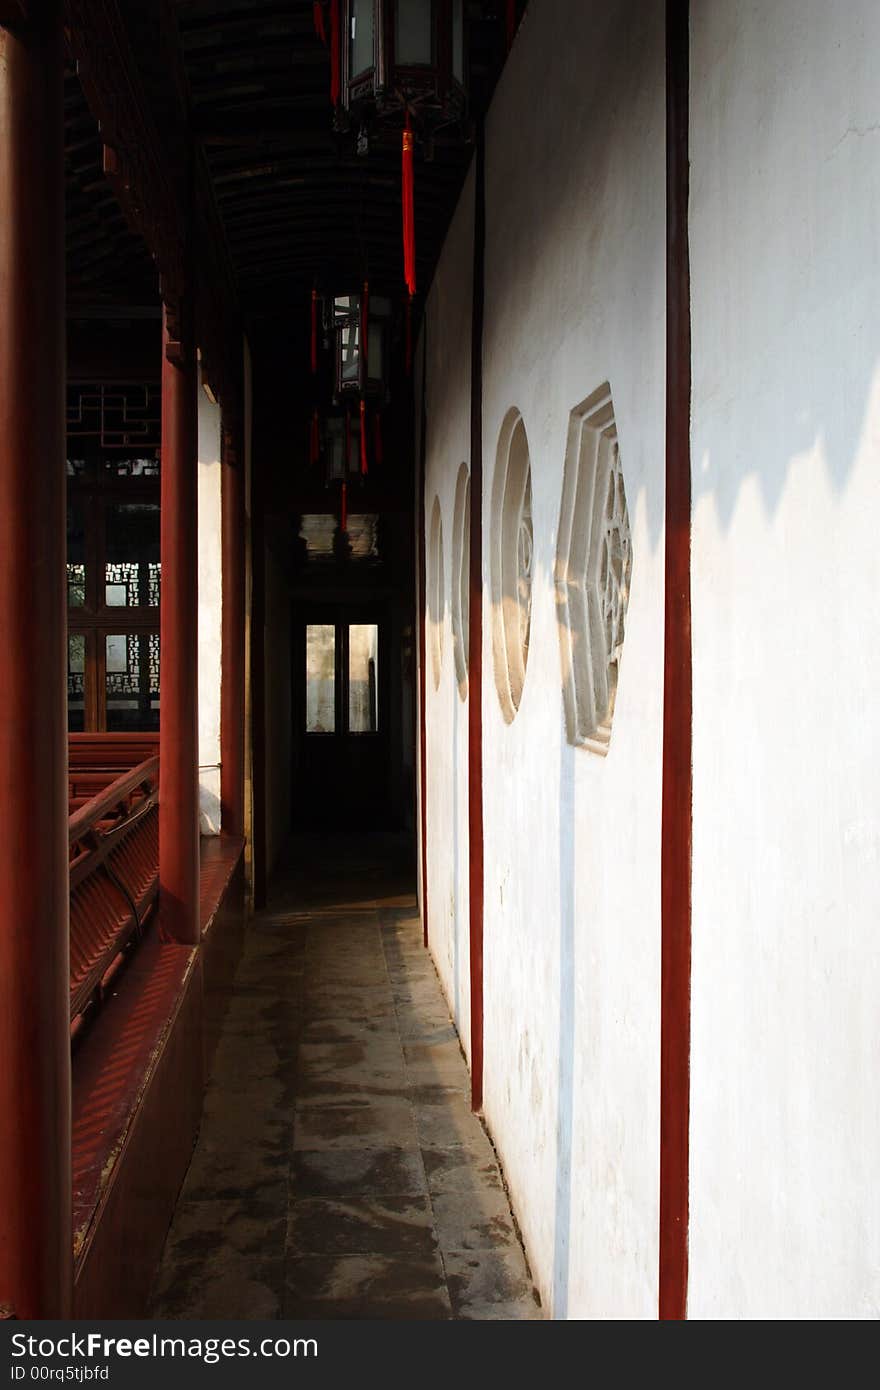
[(593, 570), (511, 562)]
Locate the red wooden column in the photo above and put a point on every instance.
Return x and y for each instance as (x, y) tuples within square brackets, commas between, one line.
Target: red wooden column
[(35, 1212), (675, 868), (178, 727), (232, 631)]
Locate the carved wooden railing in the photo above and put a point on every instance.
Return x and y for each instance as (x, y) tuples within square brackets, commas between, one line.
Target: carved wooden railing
[(114, 880)]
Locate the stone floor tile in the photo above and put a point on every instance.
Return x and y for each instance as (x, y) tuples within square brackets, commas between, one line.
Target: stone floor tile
[(377, 1052), (489, 1284), (357, 1172), (361, 1226), (349, 1029), (476, 1219), (203, 1231), (366, 1286), (460, 1169), (339, 1165), (229, 1286), (452, 1124), (356, 1122)]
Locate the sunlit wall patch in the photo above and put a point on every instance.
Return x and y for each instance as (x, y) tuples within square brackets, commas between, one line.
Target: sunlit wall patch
[(436, 592)]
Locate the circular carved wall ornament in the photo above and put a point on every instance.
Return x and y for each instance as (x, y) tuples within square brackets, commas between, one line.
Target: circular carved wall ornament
[(461, 548), (511, 562)]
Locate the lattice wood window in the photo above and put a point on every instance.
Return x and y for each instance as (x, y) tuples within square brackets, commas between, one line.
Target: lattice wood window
[(113, 559), (593, 571)]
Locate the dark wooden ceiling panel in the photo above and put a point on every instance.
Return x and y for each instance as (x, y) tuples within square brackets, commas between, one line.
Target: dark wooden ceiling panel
[(296, 203)]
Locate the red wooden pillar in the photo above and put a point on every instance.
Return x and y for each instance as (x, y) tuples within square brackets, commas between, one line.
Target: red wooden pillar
[(178, 728), (232, 631), (35, 1209), (675, 871)]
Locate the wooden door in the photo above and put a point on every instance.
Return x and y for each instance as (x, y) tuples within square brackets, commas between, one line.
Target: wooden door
[(341, 710)]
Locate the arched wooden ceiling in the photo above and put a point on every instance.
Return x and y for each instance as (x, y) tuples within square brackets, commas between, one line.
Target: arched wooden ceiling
[(295, 200)]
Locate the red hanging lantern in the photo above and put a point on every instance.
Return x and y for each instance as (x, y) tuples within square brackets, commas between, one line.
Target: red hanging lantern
[(361, 328), (365, 335), (398, 55)]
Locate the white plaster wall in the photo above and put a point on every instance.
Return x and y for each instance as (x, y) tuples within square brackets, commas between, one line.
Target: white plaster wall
[(785, 206), (210, 604), (248, 605), (448, 318), (575, 267)]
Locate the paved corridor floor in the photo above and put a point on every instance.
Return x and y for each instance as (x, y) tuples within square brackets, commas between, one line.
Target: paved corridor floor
[(339, 1172)]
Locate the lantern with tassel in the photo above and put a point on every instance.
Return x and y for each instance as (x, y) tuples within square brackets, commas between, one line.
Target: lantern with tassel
[(361, 325), (400, 55)]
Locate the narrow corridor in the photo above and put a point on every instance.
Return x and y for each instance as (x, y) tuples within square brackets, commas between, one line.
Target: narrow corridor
[(339, 1172)]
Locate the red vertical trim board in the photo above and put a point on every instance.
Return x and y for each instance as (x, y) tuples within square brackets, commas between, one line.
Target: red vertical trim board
[(475, 630), (36, 1266), (677, 695)]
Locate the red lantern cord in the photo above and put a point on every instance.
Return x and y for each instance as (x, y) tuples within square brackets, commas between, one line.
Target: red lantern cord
[(318, 20), (409, 229), (343, 508), (409, 343), (511, 22), (334, 52), (347, 460), (377, 437), (314, 348), (363, 438), (315, 437), (365, 335)]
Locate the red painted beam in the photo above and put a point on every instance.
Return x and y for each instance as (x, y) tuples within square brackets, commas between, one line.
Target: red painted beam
[(178, 727), (232, 632), (675, 888), (35, 1189), (475, 630)]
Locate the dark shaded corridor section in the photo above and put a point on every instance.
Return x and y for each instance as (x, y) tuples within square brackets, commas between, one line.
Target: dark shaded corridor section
[(339, 1172)]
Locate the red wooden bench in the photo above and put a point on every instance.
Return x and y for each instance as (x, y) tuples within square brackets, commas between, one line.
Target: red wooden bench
[(114, 861)]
